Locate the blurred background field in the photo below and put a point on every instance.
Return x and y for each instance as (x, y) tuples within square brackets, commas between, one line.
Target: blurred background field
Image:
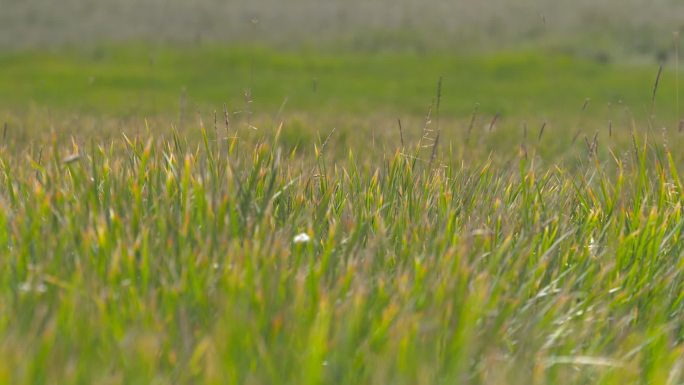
[(518, 59), (579, 69), (143, 80)]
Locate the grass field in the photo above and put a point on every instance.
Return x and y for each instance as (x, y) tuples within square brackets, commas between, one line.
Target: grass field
[(139, 80), (304, 237)]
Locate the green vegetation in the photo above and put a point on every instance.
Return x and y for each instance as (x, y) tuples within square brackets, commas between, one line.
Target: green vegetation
[(169, 258), (146, 239), (143, 80)]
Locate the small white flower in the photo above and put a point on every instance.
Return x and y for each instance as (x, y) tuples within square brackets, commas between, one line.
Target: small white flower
[(593, 247), (301, 238)]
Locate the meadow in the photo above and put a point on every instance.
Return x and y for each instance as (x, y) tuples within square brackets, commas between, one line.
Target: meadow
[(235, 214), (142, 80)]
